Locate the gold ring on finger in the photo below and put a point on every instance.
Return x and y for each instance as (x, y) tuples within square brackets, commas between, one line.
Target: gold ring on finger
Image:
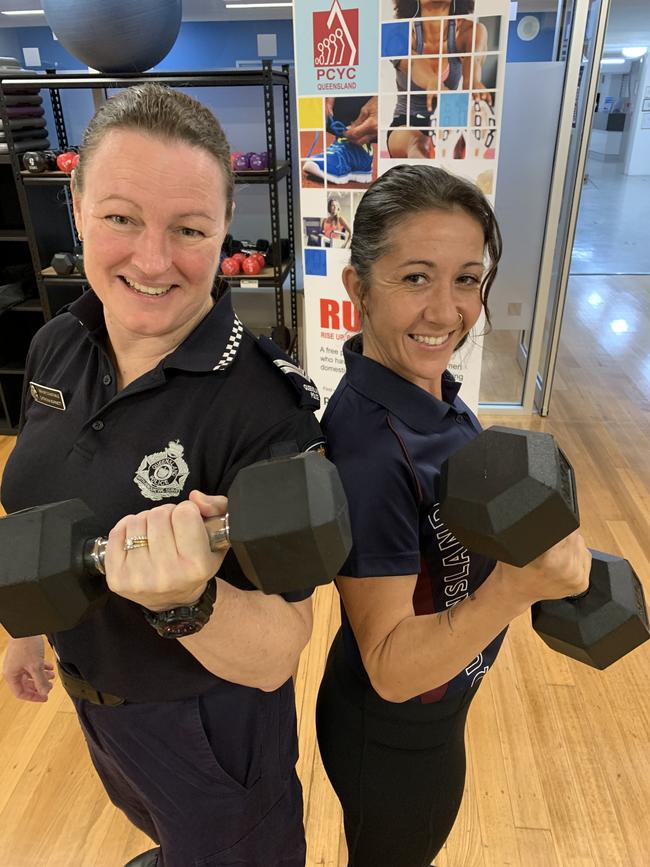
[(135, 542)]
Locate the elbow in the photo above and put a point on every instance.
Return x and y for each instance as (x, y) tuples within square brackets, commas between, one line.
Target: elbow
[(388, 692), (384, 682), (391, 692), (273, 684), (279, 674)]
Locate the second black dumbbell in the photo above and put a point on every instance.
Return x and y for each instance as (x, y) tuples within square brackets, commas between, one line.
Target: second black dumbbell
[(510, 494)]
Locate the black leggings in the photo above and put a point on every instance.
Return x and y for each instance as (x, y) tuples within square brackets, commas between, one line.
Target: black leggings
[(398, 769)]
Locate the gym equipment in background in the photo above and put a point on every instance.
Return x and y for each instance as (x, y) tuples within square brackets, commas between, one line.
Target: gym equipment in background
[(68, 263), (115, 35)]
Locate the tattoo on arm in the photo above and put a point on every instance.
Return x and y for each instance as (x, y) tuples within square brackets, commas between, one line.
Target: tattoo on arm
[(450, 612)]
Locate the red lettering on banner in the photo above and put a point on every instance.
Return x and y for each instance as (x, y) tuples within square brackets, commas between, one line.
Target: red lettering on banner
[(333, 313), (329, 313)]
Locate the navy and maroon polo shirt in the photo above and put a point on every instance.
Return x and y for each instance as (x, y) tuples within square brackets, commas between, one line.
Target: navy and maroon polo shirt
[(388, 438), (220, 401)]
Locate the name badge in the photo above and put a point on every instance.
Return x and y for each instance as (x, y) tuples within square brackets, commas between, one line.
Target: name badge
[(47, 396)]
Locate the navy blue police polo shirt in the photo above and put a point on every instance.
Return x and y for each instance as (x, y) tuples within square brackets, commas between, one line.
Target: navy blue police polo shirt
[(220, 401), (388, 438)]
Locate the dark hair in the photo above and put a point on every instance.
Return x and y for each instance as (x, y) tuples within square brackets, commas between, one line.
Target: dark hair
[(406, 190), (411, 8), (160, 111)]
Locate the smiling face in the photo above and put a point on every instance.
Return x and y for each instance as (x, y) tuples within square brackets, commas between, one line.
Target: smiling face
[(429, 276), (152, 217)]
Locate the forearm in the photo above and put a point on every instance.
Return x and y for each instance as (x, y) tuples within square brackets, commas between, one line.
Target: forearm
[(426, 651), (251, 638)]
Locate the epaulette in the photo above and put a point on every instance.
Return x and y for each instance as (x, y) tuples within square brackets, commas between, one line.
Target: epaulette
[(308, 396)]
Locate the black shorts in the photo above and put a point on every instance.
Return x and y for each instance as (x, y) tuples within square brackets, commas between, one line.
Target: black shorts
[(413, 120)]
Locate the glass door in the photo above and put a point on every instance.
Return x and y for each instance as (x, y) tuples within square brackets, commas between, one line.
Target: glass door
[(547, 104), (567, 189)]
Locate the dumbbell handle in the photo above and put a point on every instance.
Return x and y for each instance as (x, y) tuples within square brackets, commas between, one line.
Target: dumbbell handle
[(94, 553)]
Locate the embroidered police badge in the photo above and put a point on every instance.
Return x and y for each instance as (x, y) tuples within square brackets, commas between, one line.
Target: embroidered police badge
[(162, 475)]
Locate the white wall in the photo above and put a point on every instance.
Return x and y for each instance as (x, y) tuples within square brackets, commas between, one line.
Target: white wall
[(638, 156)]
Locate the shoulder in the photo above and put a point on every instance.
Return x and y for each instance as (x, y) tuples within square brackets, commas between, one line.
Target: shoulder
[(268, 371), (362, 440), (61, 335), (266, 401), (353, 421), (63, 323)]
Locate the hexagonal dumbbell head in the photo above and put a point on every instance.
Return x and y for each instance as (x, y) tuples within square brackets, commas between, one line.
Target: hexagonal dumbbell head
[(43, 585), (289, 523), (509, 494), (602, 625)]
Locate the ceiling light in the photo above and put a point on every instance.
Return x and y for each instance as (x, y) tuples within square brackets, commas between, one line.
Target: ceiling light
[(26, 12), (634, 53), (619, 326), (611, 61)]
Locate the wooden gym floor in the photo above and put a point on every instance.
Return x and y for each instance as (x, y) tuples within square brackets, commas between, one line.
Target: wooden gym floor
[(558, 753)]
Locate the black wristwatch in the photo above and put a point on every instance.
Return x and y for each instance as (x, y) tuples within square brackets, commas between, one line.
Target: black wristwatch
[(186, 619)]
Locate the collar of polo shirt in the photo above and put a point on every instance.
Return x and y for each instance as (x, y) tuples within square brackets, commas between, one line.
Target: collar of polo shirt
[(419, 409), (195, 354)]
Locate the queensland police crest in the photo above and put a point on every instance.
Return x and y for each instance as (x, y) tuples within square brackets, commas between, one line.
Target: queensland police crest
[(162, 475)]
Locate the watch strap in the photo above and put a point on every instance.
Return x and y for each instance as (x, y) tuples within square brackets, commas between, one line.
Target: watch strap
[(184, 619)]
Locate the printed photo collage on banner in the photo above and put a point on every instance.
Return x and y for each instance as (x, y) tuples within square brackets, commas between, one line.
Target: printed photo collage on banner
[(438, 86), (383, 82)]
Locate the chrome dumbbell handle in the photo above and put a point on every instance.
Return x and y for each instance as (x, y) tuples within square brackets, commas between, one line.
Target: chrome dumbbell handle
[(218, 530)]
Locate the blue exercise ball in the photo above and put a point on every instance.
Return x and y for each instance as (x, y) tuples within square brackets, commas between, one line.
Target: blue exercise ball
[(115, 35)]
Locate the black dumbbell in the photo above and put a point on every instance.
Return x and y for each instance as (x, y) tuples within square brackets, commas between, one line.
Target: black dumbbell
[(225, 247), (37, 162), (67, 263), (510, 494), (63, 263), (266, 249), (287, 524)]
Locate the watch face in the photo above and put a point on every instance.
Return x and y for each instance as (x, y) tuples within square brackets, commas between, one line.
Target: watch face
[(186, 619), (180, 628)]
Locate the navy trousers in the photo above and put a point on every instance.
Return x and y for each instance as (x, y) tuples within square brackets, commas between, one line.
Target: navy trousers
[(211, 779)]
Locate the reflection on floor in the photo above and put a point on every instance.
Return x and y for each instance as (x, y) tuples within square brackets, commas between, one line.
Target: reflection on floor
[(606, 322), (612, 231), (502, 378), (605, 341)]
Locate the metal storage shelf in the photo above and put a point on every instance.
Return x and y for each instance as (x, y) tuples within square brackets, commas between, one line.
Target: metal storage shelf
[(282, 169)]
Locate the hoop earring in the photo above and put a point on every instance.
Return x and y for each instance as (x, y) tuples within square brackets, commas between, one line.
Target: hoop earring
[(461, 321)]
